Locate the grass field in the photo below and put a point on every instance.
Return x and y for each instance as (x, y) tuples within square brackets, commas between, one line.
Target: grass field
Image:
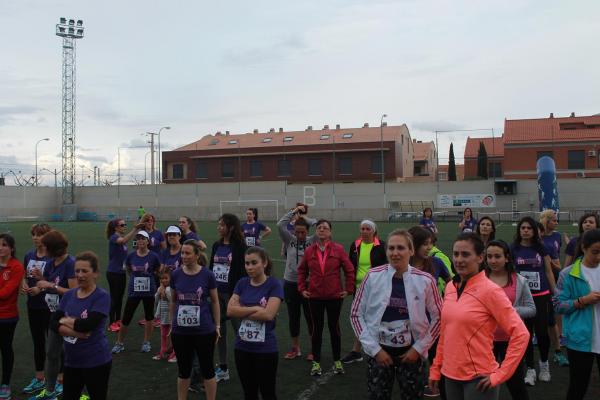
[(137, 376)]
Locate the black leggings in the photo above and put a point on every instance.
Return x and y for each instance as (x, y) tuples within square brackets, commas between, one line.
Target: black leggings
[(296, 303), (116, 284), (131, 306), (203, 346), (516, 383), (317, 314), (7, 333), (258, 373), (94, 379), (539, 324), (580, 370), (39, 319)]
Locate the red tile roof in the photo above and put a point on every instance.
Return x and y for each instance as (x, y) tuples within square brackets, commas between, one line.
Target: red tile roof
[(300, 138), (552, 129), (422, 150), (493, 146)]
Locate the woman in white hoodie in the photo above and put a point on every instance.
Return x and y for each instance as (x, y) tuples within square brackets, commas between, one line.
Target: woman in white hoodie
[(396, 317)]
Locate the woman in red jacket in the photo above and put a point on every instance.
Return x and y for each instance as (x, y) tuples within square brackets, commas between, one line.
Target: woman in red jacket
[(11, 273), (319, 281)]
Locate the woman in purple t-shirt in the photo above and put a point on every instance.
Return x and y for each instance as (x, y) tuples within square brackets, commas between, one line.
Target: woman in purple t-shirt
[(196, 321), (80, 320), (252, 228), (256, 300)]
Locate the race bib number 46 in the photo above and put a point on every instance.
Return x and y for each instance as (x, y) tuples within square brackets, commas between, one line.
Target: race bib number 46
[(395, 333), (221, 272), (141, 284), (252, 331), (533, 279), (188, 316)]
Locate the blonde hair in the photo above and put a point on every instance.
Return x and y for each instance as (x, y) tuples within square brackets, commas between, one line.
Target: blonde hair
[(405, 234), (545, 217)]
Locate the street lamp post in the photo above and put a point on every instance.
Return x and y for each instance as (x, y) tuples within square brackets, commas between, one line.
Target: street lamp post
[(36, 158), (160, 154), (382, 160)]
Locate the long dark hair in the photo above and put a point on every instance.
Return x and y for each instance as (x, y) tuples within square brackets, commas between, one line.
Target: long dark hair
[(234, 229), (536, 241), (578, 251), (10, 241), (420, 236), (255, 213), (111, 227), (263, 255), (509, 266), (590, 237), (493, 234), (190, 222)]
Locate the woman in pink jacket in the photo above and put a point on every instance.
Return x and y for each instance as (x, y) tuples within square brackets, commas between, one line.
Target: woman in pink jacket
[(473, 308)]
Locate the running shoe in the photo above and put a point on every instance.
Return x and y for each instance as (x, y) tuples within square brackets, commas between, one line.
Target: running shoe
[(428, 392), (310, 357), (34, 386), (118, 348), (544, 375), (221, 375), (45, 395), (293, 353), (146, 347), (84, 397), (158, 357), (193, 388), (338, 368), (156, 323), (58, 389), (530, 377), (316, 369), (560, 359), (352, 357), (172, 358), (114, 327), (142, 322), (5, 393)]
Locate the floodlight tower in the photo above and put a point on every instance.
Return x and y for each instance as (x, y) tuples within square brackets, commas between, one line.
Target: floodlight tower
[(70, 31)]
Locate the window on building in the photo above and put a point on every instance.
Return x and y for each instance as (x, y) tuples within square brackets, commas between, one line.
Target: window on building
[(266, 140), (314, 167), (345, 165), (227, 168), (255, 168), (576, 159), (284, 167), (201, 170), (347, 135), (376, 164), (177, 171), (443, 175), (288, 138), (233, 141), (495, 170), (325, 136), (213, 142), (541, 154)]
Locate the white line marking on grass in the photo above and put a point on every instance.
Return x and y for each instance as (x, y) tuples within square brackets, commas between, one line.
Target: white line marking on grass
[(314, 387)]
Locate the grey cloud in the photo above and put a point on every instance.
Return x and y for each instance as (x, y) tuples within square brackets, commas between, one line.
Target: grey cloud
[(93, 159), (9, 113), (432, 126), (135, 143), (277, 51)]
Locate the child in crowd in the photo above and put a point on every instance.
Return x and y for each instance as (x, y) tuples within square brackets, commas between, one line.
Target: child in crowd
[(163, 300)]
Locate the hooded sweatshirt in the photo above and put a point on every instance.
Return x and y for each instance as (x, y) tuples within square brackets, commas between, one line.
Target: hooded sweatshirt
[(294, 248)]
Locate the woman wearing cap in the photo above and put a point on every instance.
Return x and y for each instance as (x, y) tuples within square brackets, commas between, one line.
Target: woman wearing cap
[(474, 307), (365, 253), (115, 273), (396, 316), (227, 263), (156, 239), (142, 265), (37, 310), (170, 258), (189, 231)]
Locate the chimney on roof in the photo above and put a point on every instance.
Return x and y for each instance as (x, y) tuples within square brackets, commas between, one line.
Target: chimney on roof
[(551, 115), (218, 133), (337, 126), (280, 129), (271, 130), (325, 127), (384, 123), (572, 115), (255, 131), (366, 125), (414, 140), (309, 128), (226, 132)]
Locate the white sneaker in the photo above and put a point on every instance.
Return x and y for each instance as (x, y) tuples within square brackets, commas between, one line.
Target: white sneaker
[(530, 377), (544, 375)]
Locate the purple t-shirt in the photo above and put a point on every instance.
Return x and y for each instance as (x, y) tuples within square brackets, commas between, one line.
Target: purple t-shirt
[(93, 351), (117, 253), (572, 247), (188, 236), (252, 233), (427, 223), (193, 315), (529, 262), (439, 269), (397, 308), (221, 266), (58, 275), (170, 261), (554, 240), (470, 225), (142, 282), (30, 262), (259, 336), (156, 238)]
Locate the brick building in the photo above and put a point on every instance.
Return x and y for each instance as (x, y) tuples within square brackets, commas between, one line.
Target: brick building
[(425, 158), (336, 154), (494, 148)]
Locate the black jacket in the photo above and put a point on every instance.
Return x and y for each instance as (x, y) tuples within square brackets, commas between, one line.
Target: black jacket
[(237, 269)]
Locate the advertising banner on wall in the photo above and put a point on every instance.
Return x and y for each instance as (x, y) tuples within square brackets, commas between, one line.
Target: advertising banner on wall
[(466, 200)]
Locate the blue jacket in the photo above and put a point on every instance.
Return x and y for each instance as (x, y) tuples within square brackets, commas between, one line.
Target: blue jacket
[(577, 322)]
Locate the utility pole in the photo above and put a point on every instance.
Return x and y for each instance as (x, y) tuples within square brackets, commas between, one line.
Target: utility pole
[(152, 175)]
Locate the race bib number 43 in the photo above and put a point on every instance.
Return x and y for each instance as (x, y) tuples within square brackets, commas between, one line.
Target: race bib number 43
[(395, 333), (221, 272), (533, 279), (252, 331), (141, 284), (188, 316)]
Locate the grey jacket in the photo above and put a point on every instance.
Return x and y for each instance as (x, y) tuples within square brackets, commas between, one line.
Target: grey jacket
[(524, 305), (294, 250)]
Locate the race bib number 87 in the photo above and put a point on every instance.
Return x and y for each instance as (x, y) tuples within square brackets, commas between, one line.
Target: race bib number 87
[(252, 331)]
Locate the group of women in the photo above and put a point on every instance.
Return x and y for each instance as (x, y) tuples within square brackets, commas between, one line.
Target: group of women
[(469, 321)]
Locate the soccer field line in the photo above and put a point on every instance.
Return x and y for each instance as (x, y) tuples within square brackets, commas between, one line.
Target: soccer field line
[(314, 387)]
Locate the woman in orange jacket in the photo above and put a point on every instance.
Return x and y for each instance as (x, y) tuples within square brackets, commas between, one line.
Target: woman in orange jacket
[(473, 308)]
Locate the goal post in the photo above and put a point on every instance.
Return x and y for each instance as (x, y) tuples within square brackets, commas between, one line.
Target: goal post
[(267, 209)]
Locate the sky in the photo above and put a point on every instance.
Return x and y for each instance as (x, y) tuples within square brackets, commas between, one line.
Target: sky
[(202, 67)]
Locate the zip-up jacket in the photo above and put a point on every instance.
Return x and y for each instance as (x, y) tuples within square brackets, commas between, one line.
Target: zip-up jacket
[(578, 322), (422, 299), (294, 248), (523, 304), (469, 318), (325, 283), (377, 256), (10, 279)]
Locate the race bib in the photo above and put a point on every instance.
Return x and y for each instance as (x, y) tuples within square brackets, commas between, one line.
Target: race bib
[(252, 331), (250, 241), (395, 333), (33, 264), (52, 301), (221, 272), (70, 339), (141, 284), (533, 279), (188, 316)]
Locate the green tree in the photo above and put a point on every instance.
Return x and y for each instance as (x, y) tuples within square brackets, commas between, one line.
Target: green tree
[(451, 164), (482, 162)]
